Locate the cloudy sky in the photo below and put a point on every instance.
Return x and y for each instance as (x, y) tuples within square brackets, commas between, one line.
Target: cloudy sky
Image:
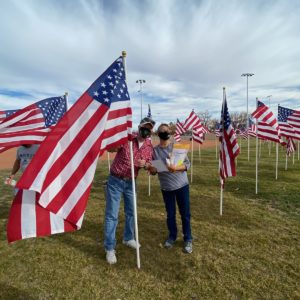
[(185, 50)]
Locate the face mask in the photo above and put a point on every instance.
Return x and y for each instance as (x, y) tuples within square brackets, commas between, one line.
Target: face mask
[(144, 132), (164, 135)]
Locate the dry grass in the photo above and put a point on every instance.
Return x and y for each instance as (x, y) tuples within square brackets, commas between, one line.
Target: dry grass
[(252, 252)]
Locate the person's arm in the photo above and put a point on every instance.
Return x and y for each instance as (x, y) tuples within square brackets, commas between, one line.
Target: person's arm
[(15, 168)]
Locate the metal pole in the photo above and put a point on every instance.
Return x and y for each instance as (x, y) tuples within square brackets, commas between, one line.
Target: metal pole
[(247, 75), (221, 201), (138, 261), (141, 81), (276, 174), (192, 159)]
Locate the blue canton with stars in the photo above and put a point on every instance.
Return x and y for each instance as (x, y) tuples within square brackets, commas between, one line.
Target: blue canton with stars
[(259, 103), (8, 113), (111, 85), (225, 117), (284, 113), (53, 109)]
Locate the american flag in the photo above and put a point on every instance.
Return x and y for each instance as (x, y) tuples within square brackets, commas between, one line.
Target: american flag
[(229, 148), (267, 127), (31, 124), (5, 114), (63, 168), (179, 131), (252, 128), (217, 130), (198, 133), (290, 146), (286, 115), (149, 115), (192, 121), (243, 133)]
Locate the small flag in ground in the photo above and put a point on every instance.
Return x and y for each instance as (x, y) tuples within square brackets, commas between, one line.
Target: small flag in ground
[(229, 148), (63, 168), (31, 124), (267, 127), (290, 146), (179, 131)]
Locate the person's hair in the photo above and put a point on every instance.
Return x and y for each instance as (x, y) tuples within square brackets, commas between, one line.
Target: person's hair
[(163, 125)]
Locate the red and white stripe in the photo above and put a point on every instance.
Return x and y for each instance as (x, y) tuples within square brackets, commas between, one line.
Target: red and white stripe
[(28, 219), (294, 121), (192, 121), (179, 131), (2, 115), (290, 146), (25, 126), (198, 133)]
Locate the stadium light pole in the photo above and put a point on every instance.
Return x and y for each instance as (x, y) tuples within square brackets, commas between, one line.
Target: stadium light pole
[(141, 81), (248, 75)]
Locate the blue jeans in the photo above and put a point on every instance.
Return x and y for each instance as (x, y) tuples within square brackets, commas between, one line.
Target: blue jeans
[(182, 197), (117, 187)]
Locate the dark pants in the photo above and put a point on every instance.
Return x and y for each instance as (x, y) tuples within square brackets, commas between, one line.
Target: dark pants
[(182, 197)]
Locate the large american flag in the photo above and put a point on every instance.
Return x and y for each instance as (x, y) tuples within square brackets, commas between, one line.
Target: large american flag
[(229, 148), (267, 127), (63, 168), (179, 131), (31, 124), (285, 117)]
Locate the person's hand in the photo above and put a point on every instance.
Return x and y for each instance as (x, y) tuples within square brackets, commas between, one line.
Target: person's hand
[(152, 170), (10, 178), (172, 168), (141, 163)]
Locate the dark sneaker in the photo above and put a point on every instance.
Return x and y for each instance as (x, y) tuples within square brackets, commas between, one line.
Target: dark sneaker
[(188, 247), (169, 243)]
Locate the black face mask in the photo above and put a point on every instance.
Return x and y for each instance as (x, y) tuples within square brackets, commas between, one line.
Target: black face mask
[(164, 135), (144, 132)]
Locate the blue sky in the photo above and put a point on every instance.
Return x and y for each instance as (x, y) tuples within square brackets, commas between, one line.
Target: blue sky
[(185, 50)]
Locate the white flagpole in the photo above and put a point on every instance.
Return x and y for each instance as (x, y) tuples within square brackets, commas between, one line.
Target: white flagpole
[(298, 150), (192, 159), (256, 167), (221, 201), (108, 161), (286, 161), (138, 261), (276, 173), (270, 148), (67, 98)]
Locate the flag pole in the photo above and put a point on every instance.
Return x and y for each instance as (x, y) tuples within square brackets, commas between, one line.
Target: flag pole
[(66, 97), (149, 185), (192, 159), (138, 261), (269, 148), (221, 201), (293, 157), (276, 174), (256, 161), (217, 147), (240, 145), (298, 150), (286, 161)]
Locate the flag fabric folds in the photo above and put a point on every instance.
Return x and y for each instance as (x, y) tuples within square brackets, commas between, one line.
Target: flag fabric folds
[(229, 148), (267, 127), (179, 131), (285, 116), (192, 121), (290, 147), (63, 168), (31, 124)]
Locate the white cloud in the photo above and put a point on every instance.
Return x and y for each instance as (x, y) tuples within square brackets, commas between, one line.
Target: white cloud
[(185, 50)]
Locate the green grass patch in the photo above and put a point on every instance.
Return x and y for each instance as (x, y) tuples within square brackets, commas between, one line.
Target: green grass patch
[(251, 252)]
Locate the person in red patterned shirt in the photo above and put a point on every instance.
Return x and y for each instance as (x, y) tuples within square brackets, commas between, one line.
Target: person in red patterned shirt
[(120, 183)]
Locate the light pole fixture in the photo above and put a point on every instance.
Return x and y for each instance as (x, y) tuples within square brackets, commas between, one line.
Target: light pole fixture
[(141, 81), (248, 75)]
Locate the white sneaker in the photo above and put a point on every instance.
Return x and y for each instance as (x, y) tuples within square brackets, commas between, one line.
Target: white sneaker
[(111, 257), (131, 244)]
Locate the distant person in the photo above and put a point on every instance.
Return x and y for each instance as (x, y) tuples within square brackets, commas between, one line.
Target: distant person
[(24, 156), (120, 183), (174, 186)]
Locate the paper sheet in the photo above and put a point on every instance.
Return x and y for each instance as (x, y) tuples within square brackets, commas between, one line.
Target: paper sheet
[(159, 165)]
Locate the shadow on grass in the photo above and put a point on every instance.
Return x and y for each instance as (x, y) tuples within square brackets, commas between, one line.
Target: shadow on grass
[(10, 292)]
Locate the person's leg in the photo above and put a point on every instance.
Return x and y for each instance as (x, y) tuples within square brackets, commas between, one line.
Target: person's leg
[(183, 201), (114, 191), (129, 212), (170, 204)]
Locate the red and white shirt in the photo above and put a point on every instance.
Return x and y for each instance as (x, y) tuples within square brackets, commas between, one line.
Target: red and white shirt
[(121, 166)]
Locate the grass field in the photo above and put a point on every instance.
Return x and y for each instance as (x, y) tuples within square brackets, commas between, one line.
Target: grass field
[(251, 252)]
